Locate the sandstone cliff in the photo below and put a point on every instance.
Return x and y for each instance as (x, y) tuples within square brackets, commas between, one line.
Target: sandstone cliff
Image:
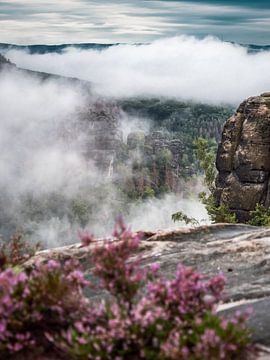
[(156, 162), (243, 159)]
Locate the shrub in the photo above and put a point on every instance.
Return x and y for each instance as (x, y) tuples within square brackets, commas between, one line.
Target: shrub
[(148, 193), (260, 216), (145, 317), (16, 251), (206, 154), (217, 214), (180, 216), (33, 305)]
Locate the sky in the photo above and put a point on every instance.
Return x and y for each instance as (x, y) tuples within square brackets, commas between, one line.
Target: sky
[(133, 21)]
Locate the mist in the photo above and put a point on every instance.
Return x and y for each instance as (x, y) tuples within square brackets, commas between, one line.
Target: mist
[(156, 214), (42, 163), (45, 173), (205, 70)]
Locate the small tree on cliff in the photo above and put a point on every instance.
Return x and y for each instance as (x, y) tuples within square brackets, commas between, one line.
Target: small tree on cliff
[(206, 154), (205, 151)]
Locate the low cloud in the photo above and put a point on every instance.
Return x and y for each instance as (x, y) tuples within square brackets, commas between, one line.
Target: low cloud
[(206, 70), (45, 174)]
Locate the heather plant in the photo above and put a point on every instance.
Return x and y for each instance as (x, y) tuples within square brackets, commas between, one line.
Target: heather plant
[(16, 251), (169, 319), (145, 316), (32, 305)]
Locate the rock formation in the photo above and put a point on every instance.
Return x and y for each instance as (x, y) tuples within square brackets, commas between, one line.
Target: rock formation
[(5, 63), (157, 159), (243, 159), (104, 138)]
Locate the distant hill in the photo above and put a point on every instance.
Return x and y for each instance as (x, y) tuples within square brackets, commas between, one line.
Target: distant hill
[(45, 49), (6, 63), (256, 48)]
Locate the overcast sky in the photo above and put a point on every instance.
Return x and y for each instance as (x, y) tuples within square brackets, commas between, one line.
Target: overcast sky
[(129, 21)]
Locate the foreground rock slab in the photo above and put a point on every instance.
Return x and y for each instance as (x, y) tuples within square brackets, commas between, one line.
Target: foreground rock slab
[(241, 252)]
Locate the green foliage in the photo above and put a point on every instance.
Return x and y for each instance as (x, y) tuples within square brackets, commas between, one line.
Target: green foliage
[(184, 121), (80, 209), (180, 216), (148, 192), (260, 216), (164, 157), (217, 214), (206, 154)]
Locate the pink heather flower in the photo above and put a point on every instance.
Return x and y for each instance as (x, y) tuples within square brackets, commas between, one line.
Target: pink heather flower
[(78, 277), (154, 267), (22, 277), (81, 340), (198, 322), (17, 347), (209, 299), (86, 238), (79, 326), (53, 265), (185, 351), (69, 337), (3, 327)]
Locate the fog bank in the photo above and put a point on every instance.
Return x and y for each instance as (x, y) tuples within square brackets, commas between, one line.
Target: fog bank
[(206, 70)]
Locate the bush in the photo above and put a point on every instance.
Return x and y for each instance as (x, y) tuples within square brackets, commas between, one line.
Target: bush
[(217, 214), (180, 216), (260, 216), (34, 305), (145, 317), (16, 251), (148, 193), (206, 154)]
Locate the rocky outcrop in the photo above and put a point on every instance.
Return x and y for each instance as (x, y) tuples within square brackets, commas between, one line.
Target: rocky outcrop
[(157, 161), (5, 63), (243, 159), (241, 252), (102, 134)]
